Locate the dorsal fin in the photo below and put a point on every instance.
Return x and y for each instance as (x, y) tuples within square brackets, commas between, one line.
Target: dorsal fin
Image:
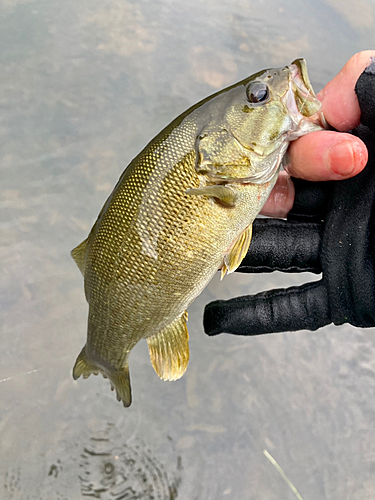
[(78, 253), (169, 350)]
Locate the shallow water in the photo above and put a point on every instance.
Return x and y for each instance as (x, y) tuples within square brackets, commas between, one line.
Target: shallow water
[(83, 87)]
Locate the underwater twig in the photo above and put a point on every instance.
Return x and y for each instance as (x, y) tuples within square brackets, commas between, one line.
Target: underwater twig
[(282, 474)]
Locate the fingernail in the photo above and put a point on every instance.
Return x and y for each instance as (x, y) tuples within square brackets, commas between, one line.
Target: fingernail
[(340, 158)]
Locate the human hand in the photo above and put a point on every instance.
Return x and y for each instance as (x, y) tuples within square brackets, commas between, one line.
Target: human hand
[(326, 155), (331, 229)]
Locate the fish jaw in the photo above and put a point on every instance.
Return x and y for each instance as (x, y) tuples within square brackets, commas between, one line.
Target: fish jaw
[(303, 106)]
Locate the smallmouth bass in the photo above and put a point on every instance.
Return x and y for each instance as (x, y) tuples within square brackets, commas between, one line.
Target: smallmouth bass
[(181, 210)]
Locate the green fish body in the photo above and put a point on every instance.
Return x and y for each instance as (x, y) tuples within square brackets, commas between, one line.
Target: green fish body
[(181, 210)]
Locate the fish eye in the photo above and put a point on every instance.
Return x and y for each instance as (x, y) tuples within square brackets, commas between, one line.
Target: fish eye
[(257, 92)]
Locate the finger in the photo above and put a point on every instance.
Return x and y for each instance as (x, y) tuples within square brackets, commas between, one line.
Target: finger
[(296, 308), (281, 198), (325, 156), (279, 245), (339, 102)]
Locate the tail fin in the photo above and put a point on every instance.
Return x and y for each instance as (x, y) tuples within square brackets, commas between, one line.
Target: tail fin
[(120, 379), (84, 366)]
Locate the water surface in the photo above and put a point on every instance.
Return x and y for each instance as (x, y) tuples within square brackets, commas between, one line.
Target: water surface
[(83, 87)]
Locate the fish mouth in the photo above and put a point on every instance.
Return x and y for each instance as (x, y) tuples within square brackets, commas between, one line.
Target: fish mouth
[(303, 88), (304, 108), (306, 101)]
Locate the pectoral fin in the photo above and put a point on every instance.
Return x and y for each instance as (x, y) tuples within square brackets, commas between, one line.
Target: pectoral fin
[(239, 249), (169, 350), (223, 194), (78, 253)]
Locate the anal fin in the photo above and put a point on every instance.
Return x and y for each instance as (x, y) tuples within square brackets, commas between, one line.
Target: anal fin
[(169, 350), (234, 257)]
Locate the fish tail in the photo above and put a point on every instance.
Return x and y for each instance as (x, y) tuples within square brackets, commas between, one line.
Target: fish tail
[(84, 366), (120, 379)]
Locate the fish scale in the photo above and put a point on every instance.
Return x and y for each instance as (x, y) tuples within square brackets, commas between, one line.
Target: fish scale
[(181, 210)]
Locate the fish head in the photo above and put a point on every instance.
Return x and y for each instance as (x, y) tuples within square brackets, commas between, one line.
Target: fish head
[(252, 123)]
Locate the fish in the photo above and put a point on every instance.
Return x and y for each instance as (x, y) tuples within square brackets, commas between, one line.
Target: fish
[(182, 210)]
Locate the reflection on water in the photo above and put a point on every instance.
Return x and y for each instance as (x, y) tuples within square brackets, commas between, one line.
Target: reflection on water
[(83, 87), (107, 469), (110, 469)]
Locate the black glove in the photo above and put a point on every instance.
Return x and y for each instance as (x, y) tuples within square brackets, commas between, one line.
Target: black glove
[(330, 230)]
